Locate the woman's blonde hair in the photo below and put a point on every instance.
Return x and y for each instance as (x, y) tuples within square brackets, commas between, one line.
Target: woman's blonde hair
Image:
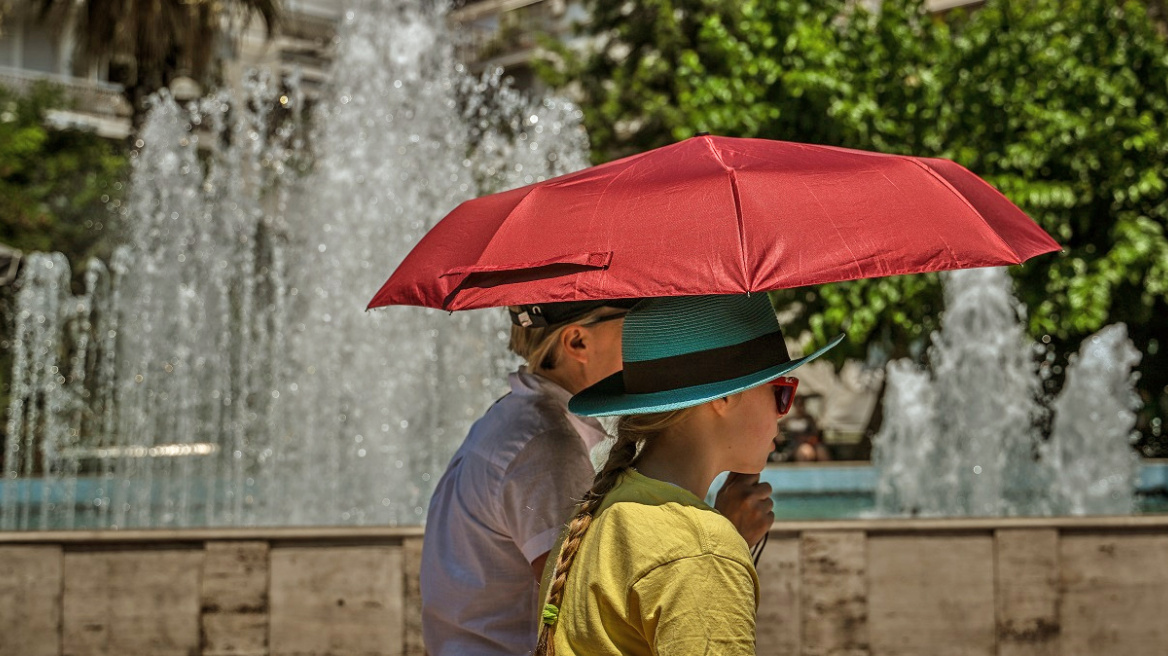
[(632, 431), (539, 347)]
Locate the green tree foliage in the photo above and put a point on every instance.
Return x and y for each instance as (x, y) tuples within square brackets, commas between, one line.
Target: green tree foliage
[(57, 187), (667, 69), (59, 191), (1064, 107), (827, 72), (1061, 104)]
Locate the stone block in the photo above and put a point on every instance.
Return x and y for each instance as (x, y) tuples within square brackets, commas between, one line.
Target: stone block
[(336, 600), (30, 600), (931, 595), (1114, 592), (235, 634), (1027, 591), (235, 599), (779, 625), (235, 577), (412, 613), (129, 602), (834, 593)]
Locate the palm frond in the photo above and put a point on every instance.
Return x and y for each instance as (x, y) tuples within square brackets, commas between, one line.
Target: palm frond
[(163, 38)]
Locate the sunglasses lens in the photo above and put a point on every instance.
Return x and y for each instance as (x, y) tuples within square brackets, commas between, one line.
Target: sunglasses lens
[(784, 394), (783, 397)]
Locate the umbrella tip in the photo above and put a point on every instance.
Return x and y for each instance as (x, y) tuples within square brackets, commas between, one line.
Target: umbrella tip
[(702, 134)]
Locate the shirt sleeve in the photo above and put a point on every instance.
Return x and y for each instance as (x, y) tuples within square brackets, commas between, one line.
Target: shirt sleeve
[(699, 605), (541, 489)]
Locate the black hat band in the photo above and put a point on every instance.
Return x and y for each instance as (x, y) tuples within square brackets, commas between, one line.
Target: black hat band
[(703, 367)]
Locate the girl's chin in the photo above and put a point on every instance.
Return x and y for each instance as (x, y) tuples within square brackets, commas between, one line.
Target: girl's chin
[(752, 468)]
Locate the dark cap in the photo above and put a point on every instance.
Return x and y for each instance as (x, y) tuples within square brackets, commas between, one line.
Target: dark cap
[(539, 315)]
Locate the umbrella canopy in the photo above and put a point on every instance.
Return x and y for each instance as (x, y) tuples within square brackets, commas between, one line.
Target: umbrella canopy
[(713, 215)]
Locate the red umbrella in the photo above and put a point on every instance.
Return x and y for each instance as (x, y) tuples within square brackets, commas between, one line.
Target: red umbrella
[(713, 215)]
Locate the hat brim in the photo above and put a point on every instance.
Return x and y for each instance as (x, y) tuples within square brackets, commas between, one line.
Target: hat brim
[(608, 397)]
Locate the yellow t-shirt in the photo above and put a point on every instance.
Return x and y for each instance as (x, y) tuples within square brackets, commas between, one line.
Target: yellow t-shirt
[(658, 572)]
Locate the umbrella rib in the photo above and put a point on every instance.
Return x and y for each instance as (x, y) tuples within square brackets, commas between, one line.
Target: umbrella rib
[(737, 210), (457, 288), (741, 227), (945, 183)]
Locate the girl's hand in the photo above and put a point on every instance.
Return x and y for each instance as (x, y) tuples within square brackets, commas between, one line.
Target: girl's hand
[(748, 505)]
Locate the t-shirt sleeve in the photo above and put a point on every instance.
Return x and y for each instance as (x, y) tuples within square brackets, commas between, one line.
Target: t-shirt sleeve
[(541, 489), (699, 605)]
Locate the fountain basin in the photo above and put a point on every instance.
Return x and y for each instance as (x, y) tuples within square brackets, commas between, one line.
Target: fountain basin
[(846, 478), (847, 490), (807, 491)]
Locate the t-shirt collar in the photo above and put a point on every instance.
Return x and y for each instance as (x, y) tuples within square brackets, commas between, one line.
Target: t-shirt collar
[(525, 383)]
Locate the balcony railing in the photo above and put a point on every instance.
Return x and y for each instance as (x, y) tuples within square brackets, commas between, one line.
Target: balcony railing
[(102, 99), (504, 32)]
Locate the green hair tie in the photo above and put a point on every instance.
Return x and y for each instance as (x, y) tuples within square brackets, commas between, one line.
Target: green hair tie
[(551, 613)]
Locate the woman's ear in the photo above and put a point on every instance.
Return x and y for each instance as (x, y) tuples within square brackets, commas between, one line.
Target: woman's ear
[(574, 343)]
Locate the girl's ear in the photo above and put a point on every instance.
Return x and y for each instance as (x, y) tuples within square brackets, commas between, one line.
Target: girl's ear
[(721, 406)]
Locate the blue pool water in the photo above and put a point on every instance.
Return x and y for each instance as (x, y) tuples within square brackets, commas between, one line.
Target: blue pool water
[(845, 491), (814, 491)]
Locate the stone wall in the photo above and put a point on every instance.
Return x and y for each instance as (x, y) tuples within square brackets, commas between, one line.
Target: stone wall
[(850, 588)]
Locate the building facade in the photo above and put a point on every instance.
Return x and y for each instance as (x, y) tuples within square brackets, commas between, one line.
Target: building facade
[(33, 49)]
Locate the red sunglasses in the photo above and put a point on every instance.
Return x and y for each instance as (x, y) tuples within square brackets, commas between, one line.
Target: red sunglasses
[(785, 392)]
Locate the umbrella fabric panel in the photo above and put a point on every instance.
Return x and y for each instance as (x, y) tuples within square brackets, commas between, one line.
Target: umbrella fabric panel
[(813, 229), (456, 241), (647, 215), (713, 215), (1025, 237)]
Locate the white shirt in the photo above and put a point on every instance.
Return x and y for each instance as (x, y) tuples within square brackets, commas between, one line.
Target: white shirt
[(507, 493)]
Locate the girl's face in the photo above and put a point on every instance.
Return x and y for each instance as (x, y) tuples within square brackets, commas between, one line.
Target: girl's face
[(752, 424)]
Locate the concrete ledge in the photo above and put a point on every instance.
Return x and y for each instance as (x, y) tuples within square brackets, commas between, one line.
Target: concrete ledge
[(1110, 524), (893, 587), (380, 534)]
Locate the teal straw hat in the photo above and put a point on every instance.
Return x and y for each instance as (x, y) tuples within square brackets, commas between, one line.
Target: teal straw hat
[(684, 351)]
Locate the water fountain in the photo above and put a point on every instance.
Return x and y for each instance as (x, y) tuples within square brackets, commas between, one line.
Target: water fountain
[(965, 438), (221, 370)]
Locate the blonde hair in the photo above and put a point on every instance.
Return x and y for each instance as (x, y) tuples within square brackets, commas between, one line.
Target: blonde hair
[(540, 347), (632, 431)]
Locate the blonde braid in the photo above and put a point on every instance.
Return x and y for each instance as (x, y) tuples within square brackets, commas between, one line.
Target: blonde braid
[(632, 431)]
